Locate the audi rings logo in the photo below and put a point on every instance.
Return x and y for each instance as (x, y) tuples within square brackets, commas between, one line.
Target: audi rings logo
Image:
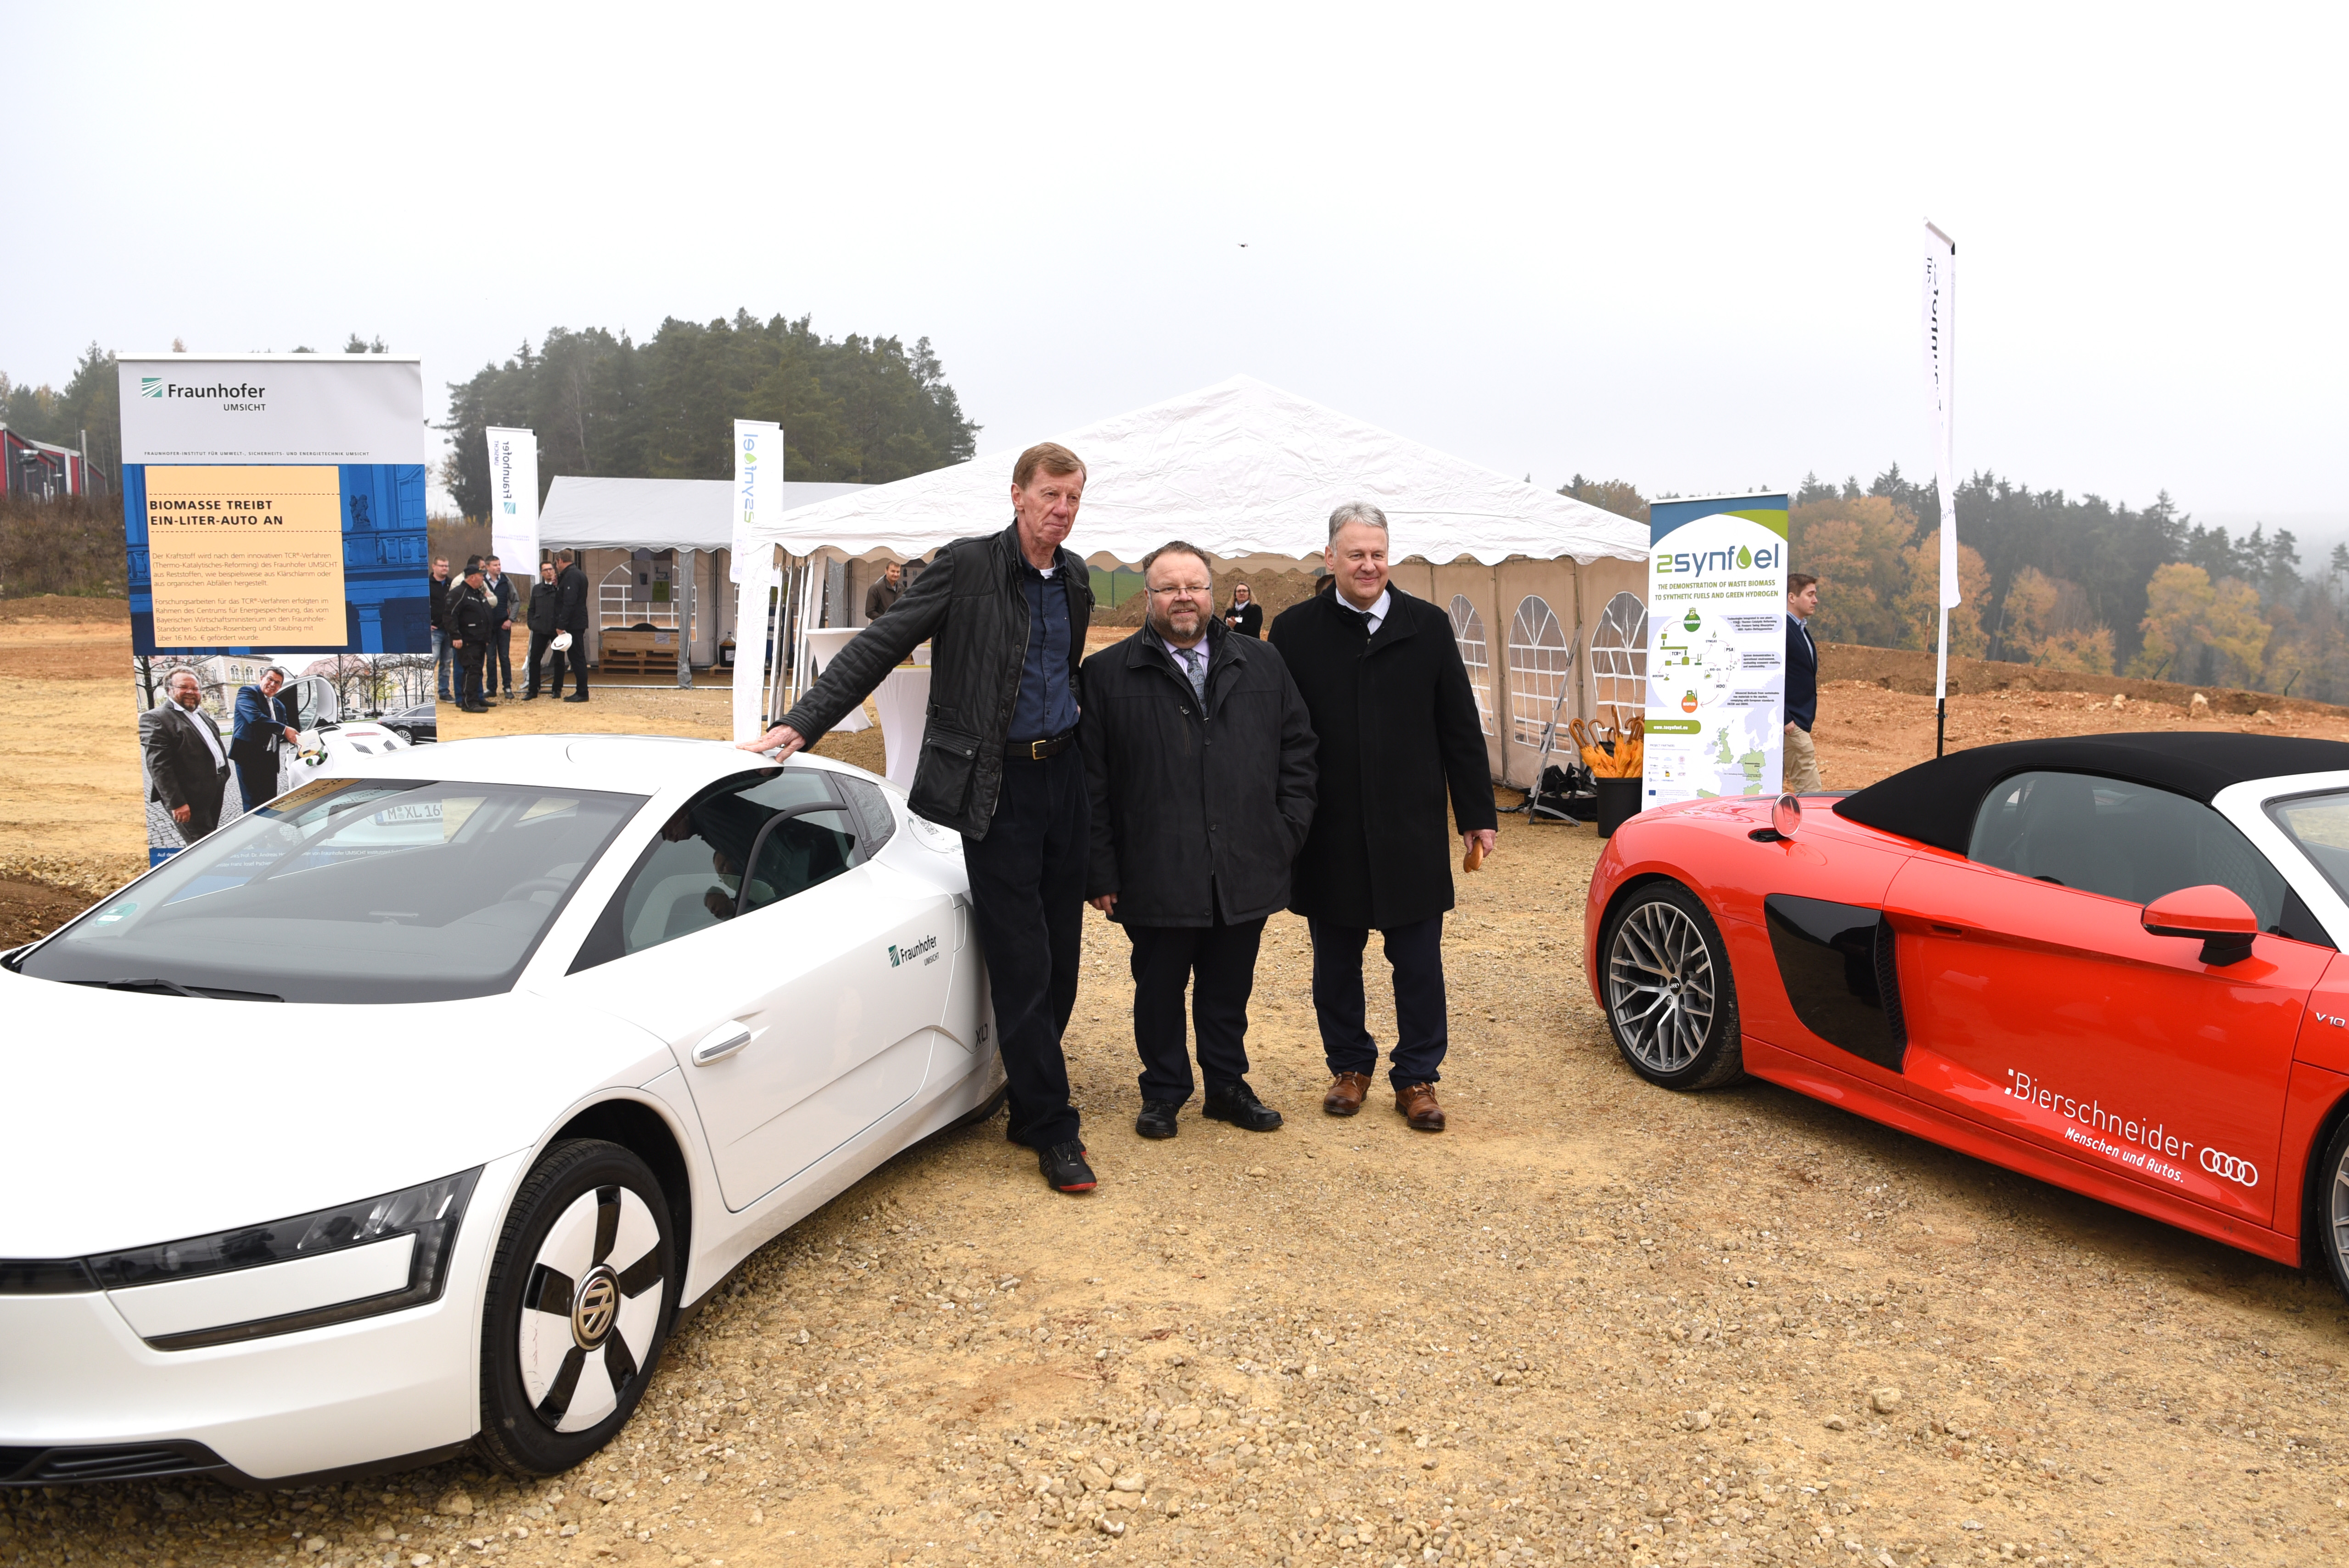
[(2227, 1168)]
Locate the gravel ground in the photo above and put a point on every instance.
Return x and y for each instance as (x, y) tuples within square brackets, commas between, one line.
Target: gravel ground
[(1593, 1321)]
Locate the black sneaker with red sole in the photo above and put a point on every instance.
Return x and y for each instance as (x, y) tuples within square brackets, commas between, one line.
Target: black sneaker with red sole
[(1064, 1167)]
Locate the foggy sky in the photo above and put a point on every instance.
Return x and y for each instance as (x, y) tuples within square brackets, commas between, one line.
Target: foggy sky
[(1679, 246)]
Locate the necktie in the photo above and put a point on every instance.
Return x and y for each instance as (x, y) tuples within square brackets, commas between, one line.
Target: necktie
[(1195, 669)]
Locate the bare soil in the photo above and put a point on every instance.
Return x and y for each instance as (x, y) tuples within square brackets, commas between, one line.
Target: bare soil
[(1592, 1322)]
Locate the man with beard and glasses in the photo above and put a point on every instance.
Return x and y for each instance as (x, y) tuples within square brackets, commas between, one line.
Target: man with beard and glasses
[(1199, 759)]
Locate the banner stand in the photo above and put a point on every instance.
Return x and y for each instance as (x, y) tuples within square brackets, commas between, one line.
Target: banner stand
[(1716, 717)]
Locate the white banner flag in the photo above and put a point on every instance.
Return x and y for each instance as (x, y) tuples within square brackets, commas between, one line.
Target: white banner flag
[(757, 499), (513, 500), (1941, 388)]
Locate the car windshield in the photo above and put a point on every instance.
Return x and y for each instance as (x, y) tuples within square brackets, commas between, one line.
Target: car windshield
[(350, 890), (2319, 824)]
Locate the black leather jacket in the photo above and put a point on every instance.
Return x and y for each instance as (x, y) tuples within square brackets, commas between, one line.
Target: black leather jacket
[(972, 606)]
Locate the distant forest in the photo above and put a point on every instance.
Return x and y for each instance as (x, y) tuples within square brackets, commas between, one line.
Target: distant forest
[(2076, 583), (863, 410)]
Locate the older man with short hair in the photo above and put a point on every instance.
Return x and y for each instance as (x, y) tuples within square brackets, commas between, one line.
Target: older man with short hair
[(1199, 759), (999, 766), (1397, 723)]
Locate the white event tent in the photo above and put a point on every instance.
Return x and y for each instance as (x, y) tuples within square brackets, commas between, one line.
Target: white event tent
[(1250, 473)]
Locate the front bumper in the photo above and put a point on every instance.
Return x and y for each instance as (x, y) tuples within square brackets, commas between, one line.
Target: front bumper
[(83, 1397)]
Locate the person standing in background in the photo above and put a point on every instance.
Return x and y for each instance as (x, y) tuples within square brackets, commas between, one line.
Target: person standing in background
[(1199, 761), (187, 769), (440, 622), (886, 590), (570, 616), (471, 618), (501, 591), (1801, 771), (545, 598), (265, 721), (1398, 728), (1000, 767), (1245, 616)]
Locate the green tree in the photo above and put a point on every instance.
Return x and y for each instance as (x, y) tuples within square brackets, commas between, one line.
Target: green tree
[(1618, 496)]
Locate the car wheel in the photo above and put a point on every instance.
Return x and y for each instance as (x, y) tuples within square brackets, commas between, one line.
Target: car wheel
[(983, 1113), (2327, 1184), (1672, 1002), (580, 1300)]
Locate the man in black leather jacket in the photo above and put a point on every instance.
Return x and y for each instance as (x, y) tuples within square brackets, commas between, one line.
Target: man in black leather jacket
[(1000, 765)]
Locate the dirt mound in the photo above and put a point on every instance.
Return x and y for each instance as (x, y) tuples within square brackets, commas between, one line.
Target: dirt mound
[(1276, 591), (1911, 670)]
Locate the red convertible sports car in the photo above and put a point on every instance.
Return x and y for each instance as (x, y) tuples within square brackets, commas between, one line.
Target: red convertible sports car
[(2112, 963)]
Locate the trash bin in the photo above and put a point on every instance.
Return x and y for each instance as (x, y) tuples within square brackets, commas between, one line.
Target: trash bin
[(1619, 802)]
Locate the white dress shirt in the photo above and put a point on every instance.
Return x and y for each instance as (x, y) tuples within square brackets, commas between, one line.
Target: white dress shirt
[(203, 726), (1377, 614)]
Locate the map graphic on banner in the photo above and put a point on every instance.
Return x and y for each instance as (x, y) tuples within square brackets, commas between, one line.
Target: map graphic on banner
[(1716, 648)]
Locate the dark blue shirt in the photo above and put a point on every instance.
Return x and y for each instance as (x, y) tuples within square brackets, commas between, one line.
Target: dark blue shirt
[(1048, 702), (1802, 675)]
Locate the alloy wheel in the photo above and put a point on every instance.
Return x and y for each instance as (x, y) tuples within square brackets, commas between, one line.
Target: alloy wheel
[(590, 1308), (1660, 986)]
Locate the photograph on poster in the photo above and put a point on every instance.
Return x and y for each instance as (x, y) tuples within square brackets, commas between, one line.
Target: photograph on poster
[(220, 734)]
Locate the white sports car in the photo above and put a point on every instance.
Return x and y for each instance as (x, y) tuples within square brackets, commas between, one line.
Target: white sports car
[(407, 1111)]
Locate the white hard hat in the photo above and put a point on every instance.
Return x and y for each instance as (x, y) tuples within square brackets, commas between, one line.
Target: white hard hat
[(561, 644)]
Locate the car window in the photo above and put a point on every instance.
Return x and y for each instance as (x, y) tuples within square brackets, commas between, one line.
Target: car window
[(2123, 840), (350, 891), (742, 847), (2319, 824)]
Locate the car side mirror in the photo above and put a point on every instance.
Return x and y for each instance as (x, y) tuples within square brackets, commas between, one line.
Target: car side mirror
[(2217, 915)]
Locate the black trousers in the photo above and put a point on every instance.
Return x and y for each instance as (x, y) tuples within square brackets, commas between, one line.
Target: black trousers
[(578, 658), (1422, 1030), (1217, 963), (501, 666), (469, 659), (1028, 901), (257, 782), (538, 650)]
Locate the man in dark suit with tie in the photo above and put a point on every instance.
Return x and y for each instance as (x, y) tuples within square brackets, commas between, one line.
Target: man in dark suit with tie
[(1802, 763), (265, 721), (187, 767)]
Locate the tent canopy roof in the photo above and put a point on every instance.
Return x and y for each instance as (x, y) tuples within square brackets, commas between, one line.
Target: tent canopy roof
[(1244, 470), (653, 514)]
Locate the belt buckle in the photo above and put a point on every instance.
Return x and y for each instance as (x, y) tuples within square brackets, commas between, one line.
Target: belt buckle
[(1036, 751)]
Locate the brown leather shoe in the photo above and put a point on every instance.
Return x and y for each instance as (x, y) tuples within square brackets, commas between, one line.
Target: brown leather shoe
[(1416, 1102), (1345, 1094)]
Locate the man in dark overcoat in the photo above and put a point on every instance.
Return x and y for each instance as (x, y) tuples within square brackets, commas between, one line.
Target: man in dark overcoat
[(1199, 761), (1398, 732), (570, 616), (544, 600)]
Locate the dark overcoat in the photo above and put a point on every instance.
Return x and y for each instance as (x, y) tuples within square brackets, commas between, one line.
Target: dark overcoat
[(1197, 808), (1397, 726)]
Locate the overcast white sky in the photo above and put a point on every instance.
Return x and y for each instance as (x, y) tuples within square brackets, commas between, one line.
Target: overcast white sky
[(1673, 244)]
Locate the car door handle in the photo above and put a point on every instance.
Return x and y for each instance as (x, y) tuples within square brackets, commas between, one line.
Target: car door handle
[(720, 1043)]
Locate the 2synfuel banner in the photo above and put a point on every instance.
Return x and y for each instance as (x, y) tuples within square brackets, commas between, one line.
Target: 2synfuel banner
[(1716, 648)]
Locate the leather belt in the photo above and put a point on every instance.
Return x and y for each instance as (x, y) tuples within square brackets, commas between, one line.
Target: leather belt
[(1038, 751)]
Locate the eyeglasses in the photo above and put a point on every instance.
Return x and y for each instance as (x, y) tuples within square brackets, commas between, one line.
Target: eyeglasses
[(1196, 590)]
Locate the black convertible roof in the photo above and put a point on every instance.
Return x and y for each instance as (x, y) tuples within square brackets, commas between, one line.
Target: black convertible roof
[(1934, 802)]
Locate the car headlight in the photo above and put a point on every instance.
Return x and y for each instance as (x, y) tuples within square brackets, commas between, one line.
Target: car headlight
[(355, 1260)]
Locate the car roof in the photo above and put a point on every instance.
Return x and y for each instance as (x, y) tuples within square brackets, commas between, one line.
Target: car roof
[(631, 764), (1935, 802)]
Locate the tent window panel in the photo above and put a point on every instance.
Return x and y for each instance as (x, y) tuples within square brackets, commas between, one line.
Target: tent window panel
[(1619, 655), (1539, 659), (1468, 631), (624, 599)]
